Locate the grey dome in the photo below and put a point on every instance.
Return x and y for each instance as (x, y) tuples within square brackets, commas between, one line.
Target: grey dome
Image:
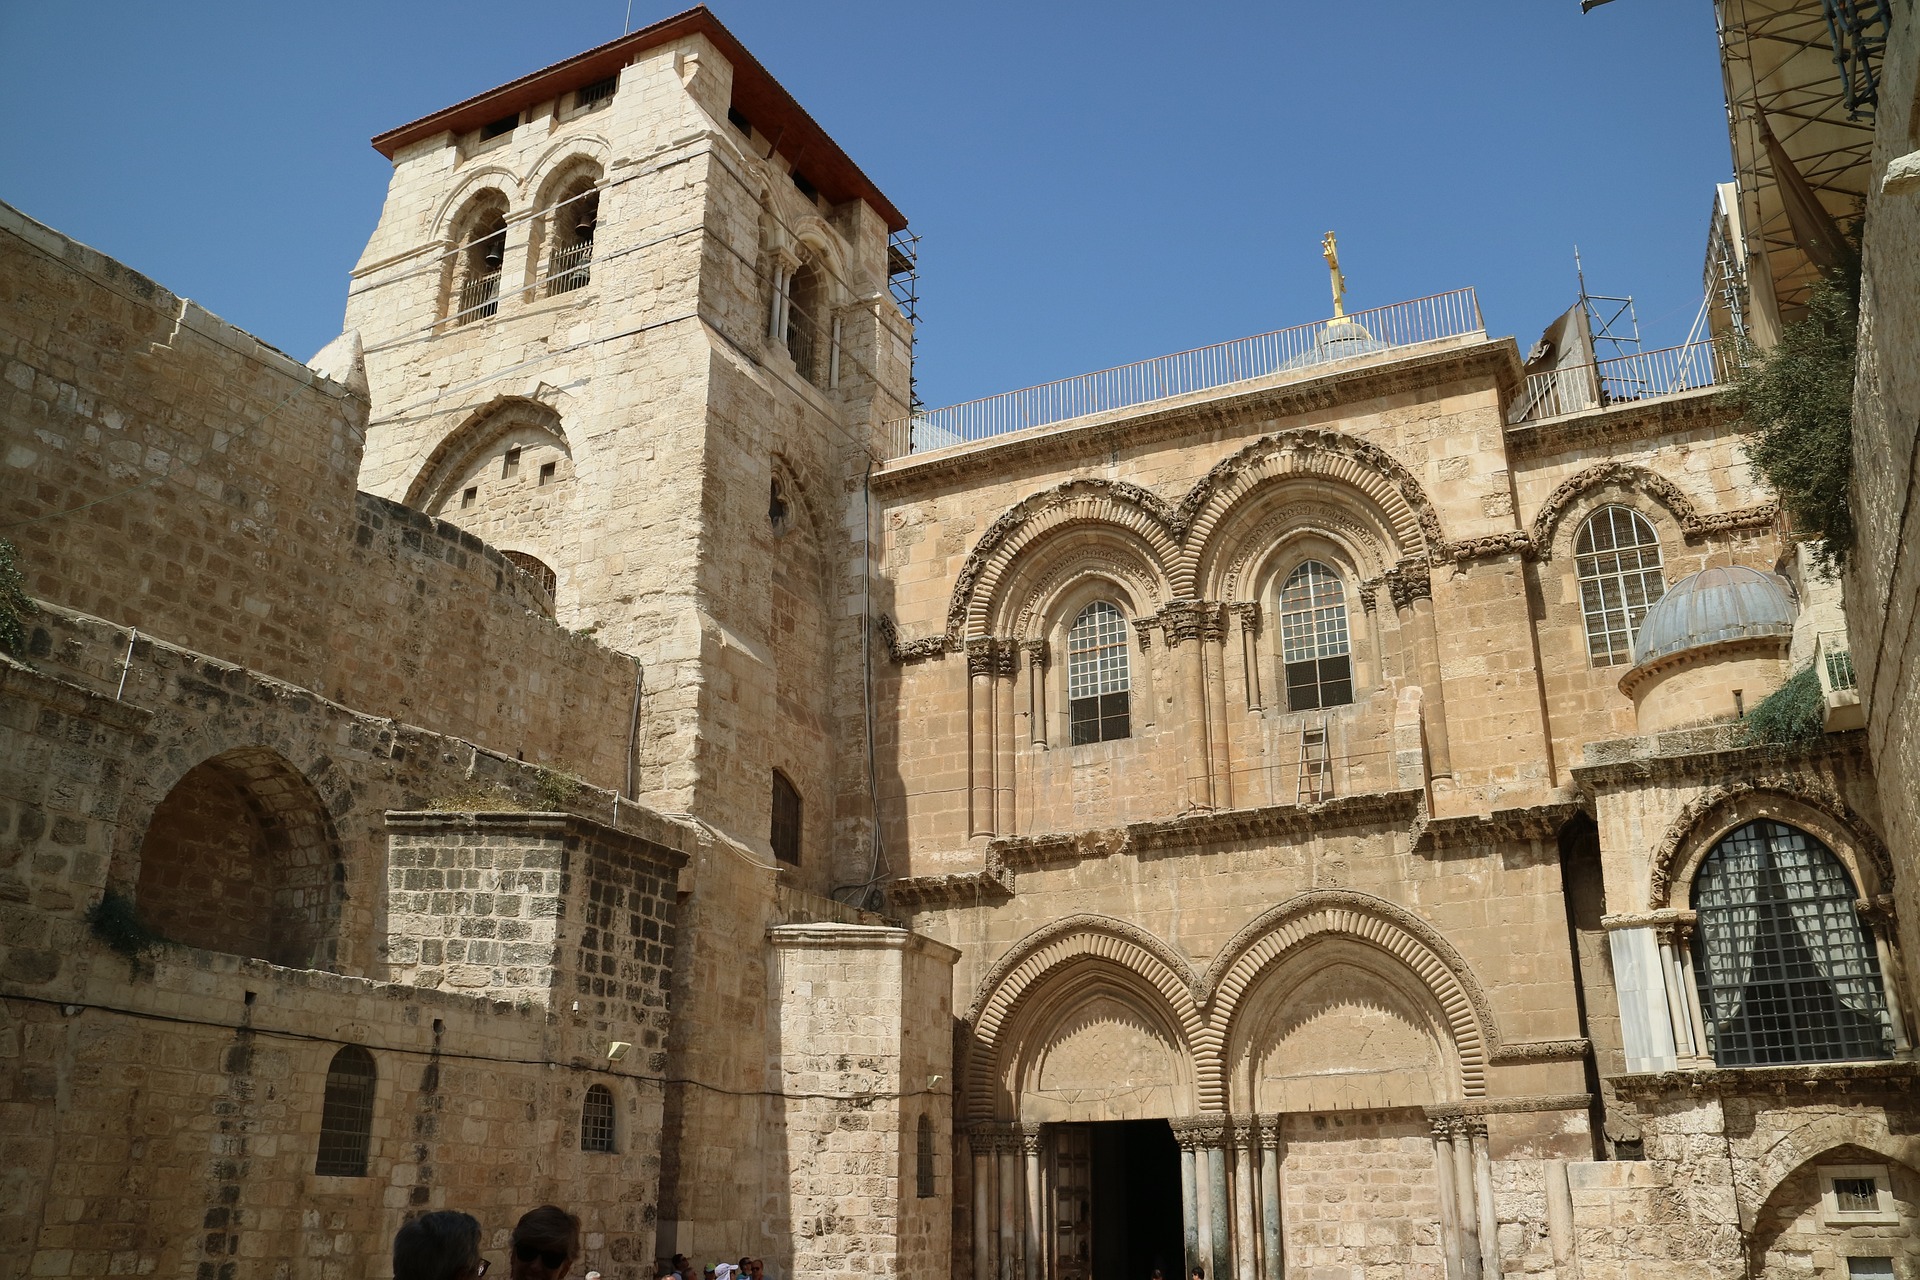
[(1714, 605), (1337, 340)]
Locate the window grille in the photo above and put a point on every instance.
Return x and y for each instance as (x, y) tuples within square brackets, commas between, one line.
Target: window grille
[(596, 1119), (923, 1159), (480, 290), (1099, 683), (346, 1115), (1786, 971), (1856, 1195), (1617, 562), (1840, 673), (786, 819), (574, 222), (1315, 647), (592, 95), (536, 568), (1869, 1269)]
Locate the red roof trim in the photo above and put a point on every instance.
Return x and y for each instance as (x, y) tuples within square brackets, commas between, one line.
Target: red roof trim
[(756, 93)]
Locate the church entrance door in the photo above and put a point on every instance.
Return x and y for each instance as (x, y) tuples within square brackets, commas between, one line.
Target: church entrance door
[(1116, 1201)]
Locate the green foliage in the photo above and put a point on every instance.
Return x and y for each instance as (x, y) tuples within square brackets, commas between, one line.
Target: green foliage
[(1794, 715), (1797, 400), (555, 790), (15, 604), (116, 922), (475, 796)]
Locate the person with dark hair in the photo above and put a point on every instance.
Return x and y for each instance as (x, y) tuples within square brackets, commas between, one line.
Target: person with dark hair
[(546, 1244), (443, 1245)]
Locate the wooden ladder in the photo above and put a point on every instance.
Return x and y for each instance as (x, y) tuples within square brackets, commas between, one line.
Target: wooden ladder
[(1315, 782)]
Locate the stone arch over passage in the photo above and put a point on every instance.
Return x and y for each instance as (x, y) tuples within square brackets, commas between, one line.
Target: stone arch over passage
[(1076, 1007), (241, 857), (1405, 990)]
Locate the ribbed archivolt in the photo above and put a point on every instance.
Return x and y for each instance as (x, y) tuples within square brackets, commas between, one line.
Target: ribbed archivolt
[(1204, 1008)]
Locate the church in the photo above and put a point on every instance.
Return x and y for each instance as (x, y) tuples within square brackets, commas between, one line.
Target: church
[(590, 735)]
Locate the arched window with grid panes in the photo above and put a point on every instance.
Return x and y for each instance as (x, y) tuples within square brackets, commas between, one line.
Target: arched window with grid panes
[(1099, 683), (1315, 647), (1617, 560), (346, 1115), (1786, 971), (923, 1159), (596, 1119)]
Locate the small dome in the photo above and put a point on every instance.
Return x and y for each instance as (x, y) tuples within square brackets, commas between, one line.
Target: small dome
[(1337, 340), (1714, 605)]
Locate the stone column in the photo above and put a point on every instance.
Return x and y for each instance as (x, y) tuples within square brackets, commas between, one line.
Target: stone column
[(1560, 1217), (1213, 653), (1036, 691), (1442, 1129), (982, 662), (1488, 1222), (1030, 1148), (981, 1143), (1466, 1212), (1690, 992), (1250, 657), (1222, 1263), (1006, 662), (1245, 1135), (1272, 1230), (1877, 915), (1675, 988), (1009, 1147), (1412, 588), (1182, 623), (1189, 1196)]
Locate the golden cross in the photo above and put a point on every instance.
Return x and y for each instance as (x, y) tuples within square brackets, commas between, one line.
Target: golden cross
[(1331, 252)]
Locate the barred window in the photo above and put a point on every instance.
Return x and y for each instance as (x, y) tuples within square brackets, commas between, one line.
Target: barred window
[(1617, 560), (1314, 646), (1098, 680), (1785, 969), (786, 819), (923, 1159), (346, 1115), (596, 1119)]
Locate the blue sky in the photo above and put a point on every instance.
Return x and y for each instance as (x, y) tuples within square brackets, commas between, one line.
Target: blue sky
[(1094, 182)]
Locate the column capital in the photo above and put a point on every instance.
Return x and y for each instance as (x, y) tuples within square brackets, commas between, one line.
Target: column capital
[(1185, 620), (1028, 1137), (1409, 581), (991, 656), (1036, 651), (990, 1137), (1248, 611), (1194, 1132)]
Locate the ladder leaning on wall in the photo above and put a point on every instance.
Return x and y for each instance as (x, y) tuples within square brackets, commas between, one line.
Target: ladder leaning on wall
[(1315, 780)]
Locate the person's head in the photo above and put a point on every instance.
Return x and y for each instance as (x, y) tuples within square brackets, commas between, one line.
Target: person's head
[(442, 1245), (746, 1265), (1199, 1273), (682, 1263), (1157, 1275), (546, 1244), (758, 1266)]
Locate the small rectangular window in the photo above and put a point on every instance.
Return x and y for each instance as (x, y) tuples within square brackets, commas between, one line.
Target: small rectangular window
[(1856, 1195), (739, 121), (510, 465), (805, 188), (469, 496), (1869, 1269), (786, 820), (496, 128), (547, 471), (1319, 682), (1102, 718), (592, 95)]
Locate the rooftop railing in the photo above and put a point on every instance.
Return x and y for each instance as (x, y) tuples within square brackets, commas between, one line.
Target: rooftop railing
[(1644, 375), (1404, 324)]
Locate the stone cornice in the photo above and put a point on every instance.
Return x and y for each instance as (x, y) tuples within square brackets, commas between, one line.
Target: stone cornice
[(1220, 411), (1509, 1106), (1637, 678), (1715, 755), (556, 825), (1571, 1050), (864, 937), (1527, 822), (994, 883), (1601, 430), (1223, 825), (1798, 1081)]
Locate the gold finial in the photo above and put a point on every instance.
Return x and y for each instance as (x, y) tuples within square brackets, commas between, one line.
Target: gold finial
[(1331, 252)]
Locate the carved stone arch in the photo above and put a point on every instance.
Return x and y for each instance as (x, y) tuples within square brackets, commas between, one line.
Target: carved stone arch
[(1380, 924), (1071, 940), (1237, 577), (1055, 566), (495, 179), (479, 430), (812, 238), (1126, 508), (558, 161), (1828, 1139), (1571, 496), (1091, 999), (1813, 804), (1384, 485)]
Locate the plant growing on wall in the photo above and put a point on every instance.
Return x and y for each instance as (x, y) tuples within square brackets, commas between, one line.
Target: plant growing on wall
[(1797, 400), (1794, 715), (15, 604)]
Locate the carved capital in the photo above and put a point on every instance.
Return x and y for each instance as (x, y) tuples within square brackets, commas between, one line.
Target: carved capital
[(1369, 593), (1194, 1133), (1185, 620), (1248, 611), (1409, 582), (991, 656), (1029, 1137), (1037, 655), (992, 1137)]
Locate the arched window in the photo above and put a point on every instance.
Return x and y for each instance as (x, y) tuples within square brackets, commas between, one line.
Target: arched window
[(1785, 970), (1617, 559), (923, 1159), (346, 1115), (534, 567), (596, 1119), (1314, 645), (1098, 680), (483, 247), (806, 321), (575, 218), (786, 819)]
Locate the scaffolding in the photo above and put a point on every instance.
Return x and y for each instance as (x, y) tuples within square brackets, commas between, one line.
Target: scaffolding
[(903, 282)]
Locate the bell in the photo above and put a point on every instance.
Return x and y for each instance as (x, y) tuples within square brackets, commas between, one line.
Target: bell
[(494, 257), (584, 227)]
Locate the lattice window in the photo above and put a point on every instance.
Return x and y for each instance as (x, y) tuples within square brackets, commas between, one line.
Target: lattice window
[(923, 1159), (1314, 645), (1785, 969), (346, 1115), (1099, 682), (786, 819), (1617, 561), (596, 1119)]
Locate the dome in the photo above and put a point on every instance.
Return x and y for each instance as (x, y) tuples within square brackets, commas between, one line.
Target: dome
[(1337, 340), (1713, 605)]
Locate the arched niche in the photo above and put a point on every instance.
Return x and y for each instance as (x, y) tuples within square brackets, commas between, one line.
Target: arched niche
[(474, 455), (241, 857), (1096, 1044), (1811, 804)]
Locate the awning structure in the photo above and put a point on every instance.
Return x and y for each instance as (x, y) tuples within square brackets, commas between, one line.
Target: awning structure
[(1802, 80)]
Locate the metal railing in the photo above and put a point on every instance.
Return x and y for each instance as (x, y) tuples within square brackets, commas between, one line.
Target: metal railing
[(570, 269), (479, 298), (1644, 375), (1443, 315), (1836, 663)]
